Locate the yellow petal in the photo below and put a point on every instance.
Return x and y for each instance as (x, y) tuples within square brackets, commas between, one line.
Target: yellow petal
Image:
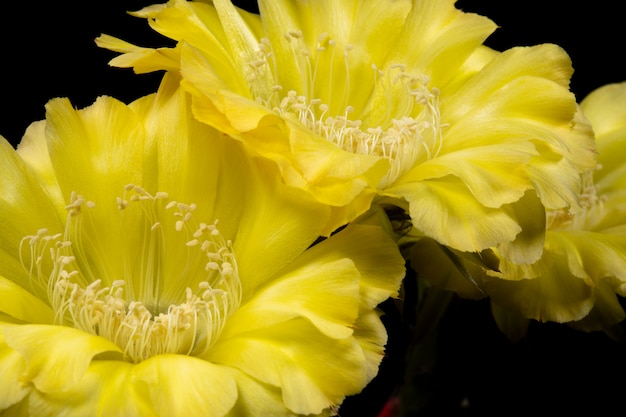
[(106, 389), (26, 206), (375, 255), (528, 244), (437, 38), (56, 357), (186, 386), (22, 305), (257, 398), (605, 107), (95, 151), (142, 60), (444, 210), (298, 359), (324, 291), (33, 149), (557, 287), (12, 367), (371, 334), (606, 312)]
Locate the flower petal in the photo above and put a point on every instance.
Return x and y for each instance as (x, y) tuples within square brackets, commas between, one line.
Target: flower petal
[(106, 389), (299, 359), (186, 386), (24, 201), (444, 210), (22, 305), (326, 292), (257, 398), (56, 357), (12, 367)]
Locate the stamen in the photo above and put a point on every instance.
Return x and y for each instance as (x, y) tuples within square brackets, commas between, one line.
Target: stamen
[(409, 131), (83, 300), (589, 201)]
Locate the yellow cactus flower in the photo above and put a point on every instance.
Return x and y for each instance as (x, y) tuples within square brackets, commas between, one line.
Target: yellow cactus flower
[(584, 260), (151, 267), (583, 265), (394, 98)]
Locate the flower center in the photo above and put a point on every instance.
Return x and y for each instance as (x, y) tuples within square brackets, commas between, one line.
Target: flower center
[(127, 309), (589, 201), (404, 127)]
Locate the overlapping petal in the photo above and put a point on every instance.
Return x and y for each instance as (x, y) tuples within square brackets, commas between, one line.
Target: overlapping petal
[(491, 125), (106, 229), (580, 271)]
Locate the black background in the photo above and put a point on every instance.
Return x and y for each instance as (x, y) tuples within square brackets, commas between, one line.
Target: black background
[(48, 51)]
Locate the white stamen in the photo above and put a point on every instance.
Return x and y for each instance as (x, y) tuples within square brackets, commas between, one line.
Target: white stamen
[(82, 299)]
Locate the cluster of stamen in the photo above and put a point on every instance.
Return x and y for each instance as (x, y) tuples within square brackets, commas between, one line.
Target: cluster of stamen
[(588, 200), (412, 133), (86, 303)]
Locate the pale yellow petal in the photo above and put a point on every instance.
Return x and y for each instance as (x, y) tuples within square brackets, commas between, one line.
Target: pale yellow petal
[(22, 305), (605, 107), (530, 214), (12, 367), (106, 389), (180, 385), (374, 254), (26, 206), (141, 60), (95, 151), (444, 210), (371, 334), (437, 38), (257, 398), (298, 359), (33, 149), (324, 291), (56, 357)]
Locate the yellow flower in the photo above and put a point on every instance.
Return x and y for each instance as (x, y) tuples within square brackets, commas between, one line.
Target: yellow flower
[(150, 267), (397, 98), (583, 265)]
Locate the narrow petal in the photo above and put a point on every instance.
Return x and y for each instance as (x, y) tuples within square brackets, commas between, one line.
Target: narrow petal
[(141, 60)]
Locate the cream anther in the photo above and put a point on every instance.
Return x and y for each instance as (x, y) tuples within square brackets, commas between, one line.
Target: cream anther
[(128, 307)]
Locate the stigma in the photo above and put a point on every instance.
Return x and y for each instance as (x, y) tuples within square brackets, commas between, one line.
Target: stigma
[(133, 310)]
